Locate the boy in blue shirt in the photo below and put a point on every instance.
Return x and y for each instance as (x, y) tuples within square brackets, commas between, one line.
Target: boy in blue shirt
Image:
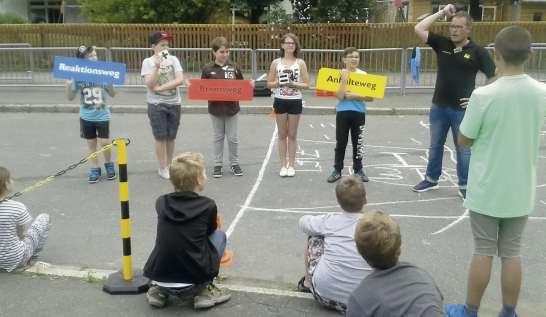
[(94, 116), (350, 117)]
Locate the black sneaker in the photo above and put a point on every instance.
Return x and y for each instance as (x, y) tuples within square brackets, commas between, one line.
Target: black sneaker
[(424, 186), (462, 193), (236, 170), (217, 173)]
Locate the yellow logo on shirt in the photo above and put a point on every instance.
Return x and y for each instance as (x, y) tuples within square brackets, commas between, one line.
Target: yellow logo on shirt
[(466, 55)]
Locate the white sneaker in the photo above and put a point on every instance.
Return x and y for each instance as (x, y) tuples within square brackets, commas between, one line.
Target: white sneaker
[(163, 173), (290, 171), (283, 172)]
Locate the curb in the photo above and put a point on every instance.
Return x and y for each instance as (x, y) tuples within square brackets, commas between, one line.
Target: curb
[(88, 274), (192, 109)]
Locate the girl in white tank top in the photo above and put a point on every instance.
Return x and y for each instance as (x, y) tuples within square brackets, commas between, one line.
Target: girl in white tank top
[(288, 76), (285, 75)]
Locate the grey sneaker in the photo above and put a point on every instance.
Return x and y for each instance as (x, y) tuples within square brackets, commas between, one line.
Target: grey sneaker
[(210, 296), (156, 298), (334, 177), (217, 172), (362, 176)]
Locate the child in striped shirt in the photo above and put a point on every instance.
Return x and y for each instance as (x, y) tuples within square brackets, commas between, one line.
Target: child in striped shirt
[(20, 237)]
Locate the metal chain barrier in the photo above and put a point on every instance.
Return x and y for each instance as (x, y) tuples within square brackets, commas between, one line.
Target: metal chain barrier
[(50, 178)]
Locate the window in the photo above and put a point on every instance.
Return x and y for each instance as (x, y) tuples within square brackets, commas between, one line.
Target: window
[(489, 13), (45, 11), (537, 16)]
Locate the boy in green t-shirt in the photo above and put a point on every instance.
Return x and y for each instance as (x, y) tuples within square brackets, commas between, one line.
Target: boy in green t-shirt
[(502, 125)]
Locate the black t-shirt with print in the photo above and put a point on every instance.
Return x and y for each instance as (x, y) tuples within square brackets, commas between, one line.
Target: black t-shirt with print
[(228, 71), (457, 69)]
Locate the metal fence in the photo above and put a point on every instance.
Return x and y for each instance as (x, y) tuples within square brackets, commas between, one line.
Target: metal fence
[(21, 64), (192, 60)]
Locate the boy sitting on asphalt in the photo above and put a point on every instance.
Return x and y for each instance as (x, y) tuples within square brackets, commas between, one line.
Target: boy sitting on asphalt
[(393, 289), (188, 246), (333, 266)]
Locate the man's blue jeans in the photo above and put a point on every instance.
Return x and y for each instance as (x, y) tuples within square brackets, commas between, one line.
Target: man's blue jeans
[(441, 120)]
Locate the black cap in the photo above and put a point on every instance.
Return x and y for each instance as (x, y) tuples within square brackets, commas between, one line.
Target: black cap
[(160, 35), (84, 50)]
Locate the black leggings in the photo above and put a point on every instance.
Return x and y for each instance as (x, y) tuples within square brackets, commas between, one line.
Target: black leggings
[(352, 121)]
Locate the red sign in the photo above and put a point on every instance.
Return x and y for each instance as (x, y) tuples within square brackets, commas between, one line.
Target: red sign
[(220, 90)]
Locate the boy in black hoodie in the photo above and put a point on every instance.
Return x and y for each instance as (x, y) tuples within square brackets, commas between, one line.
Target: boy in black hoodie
[(188, 247)]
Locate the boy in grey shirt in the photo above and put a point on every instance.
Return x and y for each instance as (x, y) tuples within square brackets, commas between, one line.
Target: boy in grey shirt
[(393, 289), (333, 266), (162, 75)]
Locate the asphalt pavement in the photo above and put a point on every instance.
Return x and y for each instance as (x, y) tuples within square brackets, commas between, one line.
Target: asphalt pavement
[(259, 210)]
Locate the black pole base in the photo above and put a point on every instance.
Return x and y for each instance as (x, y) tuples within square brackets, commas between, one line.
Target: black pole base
[(116, 285)]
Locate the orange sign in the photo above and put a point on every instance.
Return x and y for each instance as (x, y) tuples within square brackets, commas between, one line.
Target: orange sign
[(220, 90), (324, 93)]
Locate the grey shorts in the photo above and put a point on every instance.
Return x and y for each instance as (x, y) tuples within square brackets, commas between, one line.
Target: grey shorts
[(497, 236), (164, 119)]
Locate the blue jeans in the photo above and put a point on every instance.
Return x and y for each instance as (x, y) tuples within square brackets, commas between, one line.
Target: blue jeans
[(219, 240), (441, 120)]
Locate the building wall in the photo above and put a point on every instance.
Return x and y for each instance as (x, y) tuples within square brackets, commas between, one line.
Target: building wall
[(418, 8), (18, 7), (504, 12), (529, 9)]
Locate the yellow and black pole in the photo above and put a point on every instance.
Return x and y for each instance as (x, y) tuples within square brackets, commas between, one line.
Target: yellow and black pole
[(125, 223), (126, 281)]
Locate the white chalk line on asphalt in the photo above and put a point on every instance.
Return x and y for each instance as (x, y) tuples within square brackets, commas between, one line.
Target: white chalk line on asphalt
[(304, 209), (100, 274), (370, 146), (453, 224), (254, 189), (311, 210)]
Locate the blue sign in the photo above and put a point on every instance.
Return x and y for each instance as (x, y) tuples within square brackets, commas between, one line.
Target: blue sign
[(89, 71)]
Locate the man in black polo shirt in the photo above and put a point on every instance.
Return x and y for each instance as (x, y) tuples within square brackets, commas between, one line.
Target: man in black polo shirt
[(459, 60)]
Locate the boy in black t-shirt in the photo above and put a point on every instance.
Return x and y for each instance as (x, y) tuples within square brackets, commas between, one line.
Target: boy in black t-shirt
[(223, 113)]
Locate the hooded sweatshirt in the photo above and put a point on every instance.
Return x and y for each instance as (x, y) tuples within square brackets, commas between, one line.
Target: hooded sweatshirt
[(183, 252)]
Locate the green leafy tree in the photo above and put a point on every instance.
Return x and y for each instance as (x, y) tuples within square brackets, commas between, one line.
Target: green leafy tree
[(332, 11), (118, 11), (302, 10), (152, 11), (187, 11), (253, 9), (10, 18), (277, 15)]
